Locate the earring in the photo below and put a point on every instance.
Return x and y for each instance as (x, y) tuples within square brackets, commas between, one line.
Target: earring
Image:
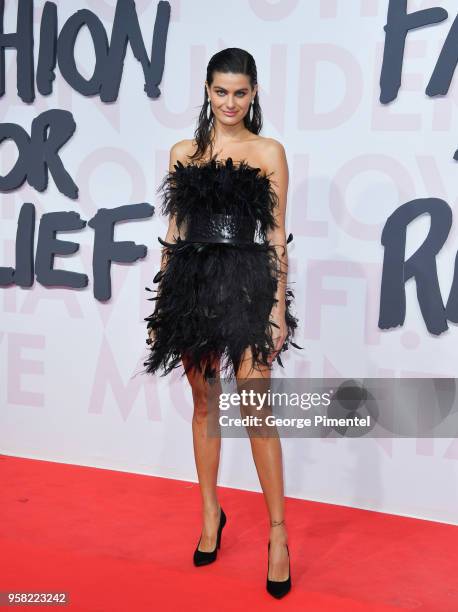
[(209, 110), (251, 111)]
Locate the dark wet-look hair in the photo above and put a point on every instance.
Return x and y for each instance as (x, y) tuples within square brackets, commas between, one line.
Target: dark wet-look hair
[(236, 61)]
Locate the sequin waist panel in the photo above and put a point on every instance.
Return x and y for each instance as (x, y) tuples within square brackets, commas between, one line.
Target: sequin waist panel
[(219, 227)]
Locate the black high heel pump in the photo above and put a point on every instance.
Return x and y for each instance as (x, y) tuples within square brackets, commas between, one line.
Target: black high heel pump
[(278, 588), (204, 558)]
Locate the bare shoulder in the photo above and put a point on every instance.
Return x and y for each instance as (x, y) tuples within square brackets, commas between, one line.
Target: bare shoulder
[(272, 148), (181, 151), (273, 155)]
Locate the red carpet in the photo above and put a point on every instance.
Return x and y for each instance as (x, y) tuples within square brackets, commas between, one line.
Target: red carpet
[(117, 541)]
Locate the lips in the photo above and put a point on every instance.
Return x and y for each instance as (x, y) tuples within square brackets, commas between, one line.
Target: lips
[(230, 114)]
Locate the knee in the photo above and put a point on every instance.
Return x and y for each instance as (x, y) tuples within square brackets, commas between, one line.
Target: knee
[(200, 406)]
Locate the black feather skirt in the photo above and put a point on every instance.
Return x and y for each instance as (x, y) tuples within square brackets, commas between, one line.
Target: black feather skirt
[(214, 300)]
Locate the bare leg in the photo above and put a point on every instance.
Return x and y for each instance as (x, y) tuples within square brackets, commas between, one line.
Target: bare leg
[(267, 455), (206, 455)]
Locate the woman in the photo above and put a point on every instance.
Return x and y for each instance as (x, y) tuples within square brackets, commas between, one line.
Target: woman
[(222, 301)]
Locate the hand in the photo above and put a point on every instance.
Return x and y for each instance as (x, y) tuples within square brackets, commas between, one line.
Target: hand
[(280, 333)]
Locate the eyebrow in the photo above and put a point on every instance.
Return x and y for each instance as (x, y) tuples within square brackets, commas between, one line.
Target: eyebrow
[(240, 89)]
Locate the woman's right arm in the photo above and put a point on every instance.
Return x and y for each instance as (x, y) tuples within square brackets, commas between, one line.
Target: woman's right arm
[(177, 152)]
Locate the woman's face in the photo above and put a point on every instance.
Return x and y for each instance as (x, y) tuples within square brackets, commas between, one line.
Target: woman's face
[(230, 96)]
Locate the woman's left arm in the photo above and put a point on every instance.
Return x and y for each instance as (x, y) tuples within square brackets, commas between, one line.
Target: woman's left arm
[(275, 162)]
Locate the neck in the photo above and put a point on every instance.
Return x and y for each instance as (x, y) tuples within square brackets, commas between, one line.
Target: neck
[(221, 134)]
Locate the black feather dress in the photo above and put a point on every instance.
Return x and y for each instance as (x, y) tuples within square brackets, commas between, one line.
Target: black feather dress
[(217, 289)]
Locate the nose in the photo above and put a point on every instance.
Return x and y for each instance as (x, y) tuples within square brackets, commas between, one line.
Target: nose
[(230, 103)]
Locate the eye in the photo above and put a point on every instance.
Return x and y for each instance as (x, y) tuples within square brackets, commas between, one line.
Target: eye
[(240, 94)]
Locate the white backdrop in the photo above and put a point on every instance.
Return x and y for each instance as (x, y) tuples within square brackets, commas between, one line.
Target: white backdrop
[(67, 387)]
